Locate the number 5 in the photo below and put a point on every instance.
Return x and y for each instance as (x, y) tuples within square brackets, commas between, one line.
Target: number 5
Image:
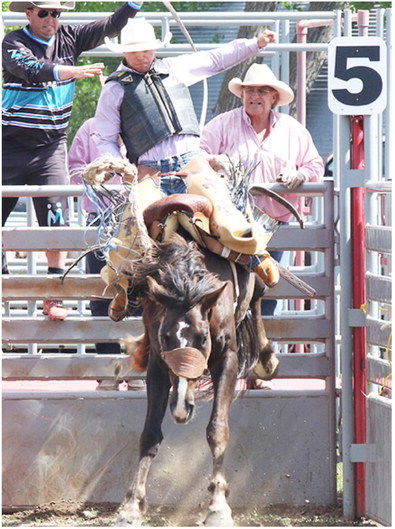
[(371, 80)]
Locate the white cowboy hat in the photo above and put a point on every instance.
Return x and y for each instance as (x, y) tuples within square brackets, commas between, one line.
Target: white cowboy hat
[(19, 7), (138, 35), (261, 75)]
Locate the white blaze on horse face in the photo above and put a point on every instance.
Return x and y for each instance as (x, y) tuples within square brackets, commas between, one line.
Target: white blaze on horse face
[(180, 412), (182, 341)]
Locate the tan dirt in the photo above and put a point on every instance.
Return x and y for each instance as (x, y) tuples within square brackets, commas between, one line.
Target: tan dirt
[(72, 514)]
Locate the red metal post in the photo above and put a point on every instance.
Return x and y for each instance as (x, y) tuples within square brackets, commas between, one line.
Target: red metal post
[(358, 225)]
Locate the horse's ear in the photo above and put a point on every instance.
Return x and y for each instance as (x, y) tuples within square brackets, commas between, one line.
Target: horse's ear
[(157, 292), (211, 298)]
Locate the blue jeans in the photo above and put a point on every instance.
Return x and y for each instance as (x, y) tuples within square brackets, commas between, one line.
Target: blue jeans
[(268, 306), (172, 184)]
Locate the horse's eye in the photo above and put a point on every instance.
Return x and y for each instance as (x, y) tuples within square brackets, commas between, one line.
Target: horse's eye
[(201, 340), (166, 339)]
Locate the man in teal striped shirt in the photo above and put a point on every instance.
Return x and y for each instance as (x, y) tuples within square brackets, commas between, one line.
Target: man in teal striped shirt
[(39, 73)]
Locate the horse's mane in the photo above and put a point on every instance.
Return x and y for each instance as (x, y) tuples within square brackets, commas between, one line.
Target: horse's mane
[(179, 267)]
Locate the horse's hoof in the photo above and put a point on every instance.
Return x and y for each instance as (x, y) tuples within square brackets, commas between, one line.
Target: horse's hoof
[(219, 519), (121, 521)]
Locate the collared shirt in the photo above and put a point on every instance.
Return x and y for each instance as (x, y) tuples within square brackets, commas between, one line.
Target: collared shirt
[(288, 144), (84, 150), (189, 69)]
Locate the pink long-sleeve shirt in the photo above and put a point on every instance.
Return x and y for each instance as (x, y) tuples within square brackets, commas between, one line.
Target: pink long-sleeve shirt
[(289, 144), (190, 69), (84, 150)]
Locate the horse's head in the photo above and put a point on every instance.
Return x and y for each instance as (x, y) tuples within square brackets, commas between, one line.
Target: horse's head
[(184, 340)]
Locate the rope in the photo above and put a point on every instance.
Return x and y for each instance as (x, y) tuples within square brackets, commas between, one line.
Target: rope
[(111, 204)]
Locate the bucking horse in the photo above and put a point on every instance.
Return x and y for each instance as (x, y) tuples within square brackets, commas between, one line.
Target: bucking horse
[(202, 317)]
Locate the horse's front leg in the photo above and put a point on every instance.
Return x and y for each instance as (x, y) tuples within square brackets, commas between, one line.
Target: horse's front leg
[(224, 382), (158, 386)]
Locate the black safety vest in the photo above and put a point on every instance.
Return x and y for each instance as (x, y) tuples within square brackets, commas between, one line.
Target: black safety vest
[(155, 106)]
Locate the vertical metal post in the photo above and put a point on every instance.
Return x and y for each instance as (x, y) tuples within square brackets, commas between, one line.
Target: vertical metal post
[(301, 35), (284, 59), (358, 239), (358, 223), (343, 149), (31, 261), (389, 118)]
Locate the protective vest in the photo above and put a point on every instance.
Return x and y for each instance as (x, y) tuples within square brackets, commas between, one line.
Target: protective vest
[(155, 106)]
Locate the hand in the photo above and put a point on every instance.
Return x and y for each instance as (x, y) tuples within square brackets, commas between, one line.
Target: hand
[(80, 72), (88, 70), (291, 178), (266, 37), (131, 175), (221, 163)]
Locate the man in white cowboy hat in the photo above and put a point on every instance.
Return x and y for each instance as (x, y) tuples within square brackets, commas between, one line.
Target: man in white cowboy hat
[(147, 102), (281, 147), (39, 70)]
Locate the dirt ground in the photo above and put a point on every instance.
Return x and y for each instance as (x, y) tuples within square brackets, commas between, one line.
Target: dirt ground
[(70, 514)]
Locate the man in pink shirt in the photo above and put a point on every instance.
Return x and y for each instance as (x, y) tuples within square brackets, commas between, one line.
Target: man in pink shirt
[(281, 148)]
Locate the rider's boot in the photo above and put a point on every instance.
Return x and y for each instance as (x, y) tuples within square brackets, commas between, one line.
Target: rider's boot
[(127, 245)]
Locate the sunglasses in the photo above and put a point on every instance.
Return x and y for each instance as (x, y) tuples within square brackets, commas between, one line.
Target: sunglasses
[(43, 13), (260, 91)]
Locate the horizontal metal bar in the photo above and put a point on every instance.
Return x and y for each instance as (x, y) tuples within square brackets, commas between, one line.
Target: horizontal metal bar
[(377, 369), (379, 238), (309, 329), (40, 330), (70, 238), (378, 288), (34, 287), (374, 186), (377, 331), (93, 367), (43, 238), (156, 18), (78, 190), (121, 395), (73, 330)]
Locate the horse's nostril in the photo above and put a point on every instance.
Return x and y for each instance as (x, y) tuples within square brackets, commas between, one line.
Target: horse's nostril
[(182, 416)]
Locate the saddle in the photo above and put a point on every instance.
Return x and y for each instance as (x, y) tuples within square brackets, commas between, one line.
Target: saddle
[(193, 214)]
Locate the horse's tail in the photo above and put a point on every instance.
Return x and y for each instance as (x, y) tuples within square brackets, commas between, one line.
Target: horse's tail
[(247, 345)]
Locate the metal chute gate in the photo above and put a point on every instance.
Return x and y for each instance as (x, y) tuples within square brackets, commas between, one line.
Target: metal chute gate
[(86, 441)]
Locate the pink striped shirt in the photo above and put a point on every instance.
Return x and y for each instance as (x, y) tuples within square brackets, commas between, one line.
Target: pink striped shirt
[(84, 150)]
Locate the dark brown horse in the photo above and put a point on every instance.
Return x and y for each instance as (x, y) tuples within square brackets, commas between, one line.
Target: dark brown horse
[(201, 315)]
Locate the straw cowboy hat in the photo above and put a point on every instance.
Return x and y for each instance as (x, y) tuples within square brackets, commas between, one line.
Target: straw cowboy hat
[(261, 75), (19, 7), (138, 35)]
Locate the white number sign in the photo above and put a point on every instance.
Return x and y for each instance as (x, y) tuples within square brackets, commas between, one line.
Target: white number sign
[(357, 75)]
